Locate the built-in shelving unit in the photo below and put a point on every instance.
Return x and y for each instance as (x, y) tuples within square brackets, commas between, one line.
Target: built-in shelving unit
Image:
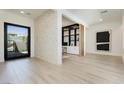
[(70, 35), (73, 39)]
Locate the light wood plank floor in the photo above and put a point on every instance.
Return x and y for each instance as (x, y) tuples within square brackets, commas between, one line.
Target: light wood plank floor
[(89, 70)]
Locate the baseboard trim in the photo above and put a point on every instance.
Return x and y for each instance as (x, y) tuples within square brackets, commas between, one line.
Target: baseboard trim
[(108, 54)]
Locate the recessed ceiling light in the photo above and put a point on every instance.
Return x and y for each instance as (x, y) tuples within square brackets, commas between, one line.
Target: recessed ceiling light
[(22, 12), (100, 19)]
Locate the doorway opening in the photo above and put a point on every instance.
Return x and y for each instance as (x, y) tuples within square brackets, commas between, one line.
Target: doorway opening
[(16, 41), (72, 38)]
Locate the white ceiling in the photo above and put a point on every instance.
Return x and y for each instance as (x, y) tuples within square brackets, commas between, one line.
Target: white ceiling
[(93, 16), (32, 13), (89, 16)]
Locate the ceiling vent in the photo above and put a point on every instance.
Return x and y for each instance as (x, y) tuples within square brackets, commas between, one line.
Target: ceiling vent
[(28, 13), (103, 12)]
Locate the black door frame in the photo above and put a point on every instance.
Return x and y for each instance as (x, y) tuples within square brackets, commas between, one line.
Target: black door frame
[(5, 41)]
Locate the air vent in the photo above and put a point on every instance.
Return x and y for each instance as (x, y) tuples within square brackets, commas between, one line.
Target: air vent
[(28, 13), (105, 11)]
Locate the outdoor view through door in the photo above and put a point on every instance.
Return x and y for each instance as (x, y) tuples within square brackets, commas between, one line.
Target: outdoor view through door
[(16, 41)]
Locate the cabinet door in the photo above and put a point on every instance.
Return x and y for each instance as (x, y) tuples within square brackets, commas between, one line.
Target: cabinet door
[(72, 32), (72, 43)]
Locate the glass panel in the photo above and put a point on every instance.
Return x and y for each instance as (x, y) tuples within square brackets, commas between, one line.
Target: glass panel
[(77, 37), (72, 38), (72, 32), (66, 33), (66, 39), (77, 31), (17, 38), (72, 43)]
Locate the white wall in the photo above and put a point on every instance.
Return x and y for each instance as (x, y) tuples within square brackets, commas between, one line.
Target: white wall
[(66, 21), (15, 19), (123, 36), (116, 27), (48, 37)]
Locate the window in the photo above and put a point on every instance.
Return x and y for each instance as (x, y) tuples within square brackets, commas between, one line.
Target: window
[(16, 41)]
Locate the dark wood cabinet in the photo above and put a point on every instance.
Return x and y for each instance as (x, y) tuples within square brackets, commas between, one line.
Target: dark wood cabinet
[(70, 35)]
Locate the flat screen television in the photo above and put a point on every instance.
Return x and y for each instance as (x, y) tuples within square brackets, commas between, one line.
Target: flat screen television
[(104, 47), (102, 37)]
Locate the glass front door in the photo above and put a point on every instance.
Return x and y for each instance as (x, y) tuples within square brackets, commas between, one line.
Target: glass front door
[(17, 41)]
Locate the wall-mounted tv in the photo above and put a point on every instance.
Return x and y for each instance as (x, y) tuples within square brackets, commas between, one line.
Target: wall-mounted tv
[(102, 37), (104, 47)]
